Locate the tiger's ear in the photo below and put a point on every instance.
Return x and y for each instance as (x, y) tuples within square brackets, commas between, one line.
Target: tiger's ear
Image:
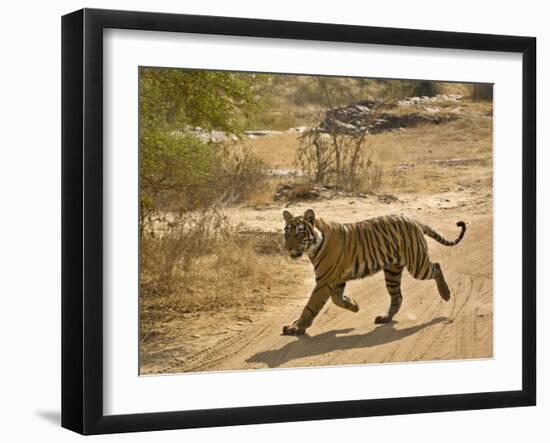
[(309, 215), (287, 215)]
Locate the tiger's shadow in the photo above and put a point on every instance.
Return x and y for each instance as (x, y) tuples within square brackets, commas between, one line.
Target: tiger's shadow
[(330, 341)]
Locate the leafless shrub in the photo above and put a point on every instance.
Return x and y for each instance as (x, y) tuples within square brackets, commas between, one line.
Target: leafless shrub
[(198, 262), (337, 158), (329, 155), (228, 174), (172, 245), (240, 174)]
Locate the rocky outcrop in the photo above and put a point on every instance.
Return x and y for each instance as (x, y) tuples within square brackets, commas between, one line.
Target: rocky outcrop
[(292, 192), (367, 116)]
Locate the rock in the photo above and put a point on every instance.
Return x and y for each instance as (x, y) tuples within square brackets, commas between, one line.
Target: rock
[(362, 108), (358, 118), (304, 192), (387, 198), (261, 133), (440, 98), (298, 129), (284, 172)]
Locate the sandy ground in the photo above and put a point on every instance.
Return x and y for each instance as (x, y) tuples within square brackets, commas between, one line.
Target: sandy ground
[(426, 328), (439, 179)]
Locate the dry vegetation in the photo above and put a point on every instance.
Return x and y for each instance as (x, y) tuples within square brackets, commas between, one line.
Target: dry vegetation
[(295, 99), (204, 268), (206, 275)]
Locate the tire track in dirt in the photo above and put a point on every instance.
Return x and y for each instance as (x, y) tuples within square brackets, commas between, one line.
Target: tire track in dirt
[(436, 324), (426, 328)]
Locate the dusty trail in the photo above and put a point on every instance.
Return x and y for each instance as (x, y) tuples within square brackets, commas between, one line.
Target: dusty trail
[(426, 328), (440, 175)]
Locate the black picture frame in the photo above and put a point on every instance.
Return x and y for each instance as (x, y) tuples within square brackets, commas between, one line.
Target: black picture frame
[(82, 219)]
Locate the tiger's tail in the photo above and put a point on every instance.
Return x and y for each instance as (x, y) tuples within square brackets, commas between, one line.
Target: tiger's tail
[(430, 232)]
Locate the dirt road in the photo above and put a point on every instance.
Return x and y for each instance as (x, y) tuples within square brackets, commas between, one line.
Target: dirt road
[(426, 328), (440, 174)]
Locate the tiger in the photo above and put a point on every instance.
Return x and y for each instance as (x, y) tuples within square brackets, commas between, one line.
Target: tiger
[(340, 252)]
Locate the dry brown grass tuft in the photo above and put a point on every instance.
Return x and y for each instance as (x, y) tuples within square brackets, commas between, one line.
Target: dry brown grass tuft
[(202, 265), (278, 151), (464, 89), (412, 159), (394, 152)]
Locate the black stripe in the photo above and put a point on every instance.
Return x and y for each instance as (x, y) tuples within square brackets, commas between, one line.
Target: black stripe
[(395, 274), (370, 248), (394, 235), (321, 258), (330, 269), (365, 248), (379, 248), (366, 271), (319, 247), (392, 285), (428, 269)]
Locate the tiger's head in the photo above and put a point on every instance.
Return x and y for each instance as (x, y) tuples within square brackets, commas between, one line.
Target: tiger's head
[(300, 233)]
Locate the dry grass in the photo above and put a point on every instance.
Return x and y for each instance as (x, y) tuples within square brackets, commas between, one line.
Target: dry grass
[(283, 116), (464, 89), (411, 159), (294, 99), (202, 265), (403, 158), (427, 142), (202, 276), (277, 152)]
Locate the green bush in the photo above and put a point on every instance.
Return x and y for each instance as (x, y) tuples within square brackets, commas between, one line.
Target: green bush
[(175, 166), (178, 172)]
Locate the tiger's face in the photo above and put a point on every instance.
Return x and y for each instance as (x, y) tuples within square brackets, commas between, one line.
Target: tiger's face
[(299, 233)]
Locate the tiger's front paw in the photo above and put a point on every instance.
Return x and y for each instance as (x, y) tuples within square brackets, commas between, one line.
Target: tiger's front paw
[(354, 307), (293, 329)]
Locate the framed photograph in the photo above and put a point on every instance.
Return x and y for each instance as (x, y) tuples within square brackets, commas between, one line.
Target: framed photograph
[(269, 221)]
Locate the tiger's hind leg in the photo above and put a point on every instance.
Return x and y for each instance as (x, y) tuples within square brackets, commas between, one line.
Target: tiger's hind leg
[(392, 275), (442, 285), (339, 299), (426, 270)]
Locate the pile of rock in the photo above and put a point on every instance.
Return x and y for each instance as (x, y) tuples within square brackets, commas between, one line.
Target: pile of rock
[(440, 98), (204, 135), (296, 191), (261, 133), (365, 116), (303, 192), (214, 136), (352, 119)]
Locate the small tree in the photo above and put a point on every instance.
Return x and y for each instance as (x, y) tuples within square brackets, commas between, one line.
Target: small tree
[(333, 156), (175, 166), (336, 158)]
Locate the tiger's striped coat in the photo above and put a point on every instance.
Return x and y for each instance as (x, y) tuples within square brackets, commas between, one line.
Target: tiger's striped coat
[(341, 252)]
